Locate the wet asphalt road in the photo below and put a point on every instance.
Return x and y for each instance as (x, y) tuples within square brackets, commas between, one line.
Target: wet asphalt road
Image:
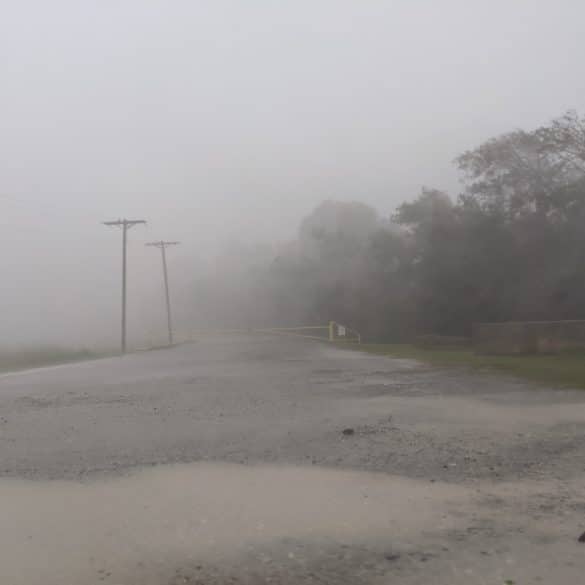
[(283, 401), (275, 400)]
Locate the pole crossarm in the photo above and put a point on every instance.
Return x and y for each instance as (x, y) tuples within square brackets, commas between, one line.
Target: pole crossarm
[(127, 223), (162, 244)]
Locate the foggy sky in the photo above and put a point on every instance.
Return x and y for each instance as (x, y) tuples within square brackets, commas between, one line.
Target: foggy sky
[(215, 119)]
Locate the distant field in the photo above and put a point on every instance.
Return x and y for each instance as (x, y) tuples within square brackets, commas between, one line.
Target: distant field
[(567, 369), (22, 359)]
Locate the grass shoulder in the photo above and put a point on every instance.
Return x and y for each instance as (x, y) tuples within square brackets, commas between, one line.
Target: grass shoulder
[(565, 369), (27, 358)]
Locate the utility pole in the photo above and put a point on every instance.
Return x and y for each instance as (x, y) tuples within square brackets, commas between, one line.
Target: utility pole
[(162, 245), (125, 224)]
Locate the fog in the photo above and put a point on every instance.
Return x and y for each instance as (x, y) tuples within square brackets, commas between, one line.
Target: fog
[(221, 121)]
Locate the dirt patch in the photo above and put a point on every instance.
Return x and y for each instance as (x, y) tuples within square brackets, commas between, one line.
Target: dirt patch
[(141, 528), (211, 524)]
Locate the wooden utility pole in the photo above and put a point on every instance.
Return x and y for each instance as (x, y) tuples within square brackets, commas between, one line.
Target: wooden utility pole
[(162, 245), (125, 224)]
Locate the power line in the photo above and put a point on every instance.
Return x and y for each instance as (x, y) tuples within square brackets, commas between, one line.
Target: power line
[(162, 245), (125, 224)]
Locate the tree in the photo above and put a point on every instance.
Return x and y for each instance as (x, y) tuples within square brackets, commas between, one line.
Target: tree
[(565, 138), (510, 247), (513, 174), (335, 227)]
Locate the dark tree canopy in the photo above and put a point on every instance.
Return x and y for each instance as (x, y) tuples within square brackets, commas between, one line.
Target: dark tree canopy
[(510, 246)]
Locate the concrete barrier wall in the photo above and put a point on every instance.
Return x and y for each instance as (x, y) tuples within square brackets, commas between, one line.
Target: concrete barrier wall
[(528, 337)]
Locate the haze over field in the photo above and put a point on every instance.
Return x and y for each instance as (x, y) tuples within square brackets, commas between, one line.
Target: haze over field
[(229, 121)]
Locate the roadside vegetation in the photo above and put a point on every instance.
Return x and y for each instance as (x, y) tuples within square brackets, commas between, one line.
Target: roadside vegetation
[(25, 358), (564, 369), (509, 246)]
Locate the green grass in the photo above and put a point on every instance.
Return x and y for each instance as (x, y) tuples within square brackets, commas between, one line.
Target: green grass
[(22, 359), (566, 369)]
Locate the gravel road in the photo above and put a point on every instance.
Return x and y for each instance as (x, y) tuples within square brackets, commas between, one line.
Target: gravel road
[(259, 459)]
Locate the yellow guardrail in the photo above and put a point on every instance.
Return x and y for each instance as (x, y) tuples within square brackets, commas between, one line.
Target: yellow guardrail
[(333, 331)]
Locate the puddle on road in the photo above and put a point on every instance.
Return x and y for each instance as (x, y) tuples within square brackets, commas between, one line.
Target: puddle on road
[(139, 528)]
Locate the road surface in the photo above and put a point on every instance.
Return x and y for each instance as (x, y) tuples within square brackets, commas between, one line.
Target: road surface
[(255, 459)]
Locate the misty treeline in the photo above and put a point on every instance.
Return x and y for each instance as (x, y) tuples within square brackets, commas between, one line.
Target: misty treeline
[(510, 246)]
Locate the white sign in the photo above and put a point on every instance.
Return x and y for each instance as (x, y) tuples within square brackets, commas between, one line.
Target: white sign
[(340, 331)]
